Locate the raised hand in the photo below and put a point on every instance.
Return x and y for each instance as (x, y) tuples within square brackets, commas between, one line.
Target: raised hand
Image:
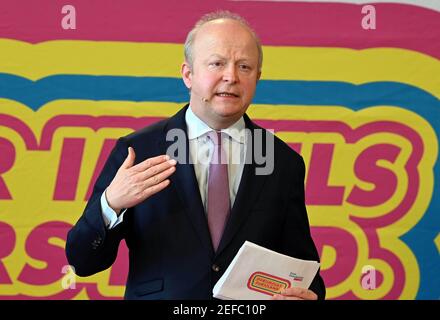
[(133, 184)]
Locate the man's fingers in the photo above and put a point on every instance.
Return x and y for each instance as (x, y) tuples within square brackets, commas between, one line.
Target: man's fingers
[(278, 297), (128, 162), (155, 170), (148, 192), (299, 293), (148, 163), (158, 178)]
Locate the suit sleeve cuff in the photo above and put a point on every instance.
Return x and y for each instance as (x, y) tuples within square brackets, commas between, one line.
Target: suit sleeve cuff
[(109, 215)]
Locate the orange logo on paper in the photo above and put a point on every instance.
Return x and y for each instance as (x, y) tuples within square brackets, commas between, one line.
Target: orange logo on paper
[(267, 283)]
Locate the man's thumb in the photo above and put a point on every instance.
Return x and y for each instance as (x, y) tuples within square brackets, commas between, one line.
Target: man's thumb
[(129, 161)]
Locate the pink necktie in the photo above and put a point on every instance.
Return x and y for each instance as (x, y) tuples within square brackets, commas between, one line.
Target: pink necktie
[(218, 190)]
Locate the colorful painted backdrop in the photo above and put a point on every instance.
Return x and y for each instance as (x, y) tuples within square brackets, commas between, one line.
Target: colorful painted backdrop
[(360, 104)]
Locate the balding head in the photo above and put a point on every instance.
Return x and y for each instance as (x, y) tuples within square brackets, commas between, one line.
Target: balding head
[(209, 19)]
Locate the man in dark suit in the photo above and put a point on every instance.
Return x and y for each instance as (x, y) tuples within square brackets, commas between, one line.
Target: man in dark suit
[(184, 221)]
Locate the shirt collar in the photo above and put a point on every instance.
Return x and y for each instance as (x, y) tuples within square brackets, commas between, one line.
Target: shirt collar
[(197, 128)]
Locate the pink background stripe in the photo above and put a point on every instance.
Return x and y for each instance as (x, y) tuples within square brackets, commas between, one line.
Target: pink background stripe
[(278, 23)]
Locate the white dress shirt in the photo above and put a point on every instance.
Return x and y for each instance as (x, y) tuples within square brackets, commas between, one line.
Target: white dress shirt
[(201, 149)]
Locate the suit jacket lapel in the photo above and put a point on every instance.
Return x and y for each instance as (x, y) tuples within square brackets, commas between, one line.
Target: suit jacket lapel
[(185, 183)]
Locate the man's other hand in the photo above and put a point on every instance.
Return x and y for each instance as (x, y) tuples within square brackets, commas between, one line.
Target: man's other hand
[(295, 293)]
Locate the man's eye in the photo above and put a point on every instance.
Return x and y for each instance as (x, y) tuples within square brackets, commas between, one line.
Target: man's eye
[(216, 64), (245, 67)]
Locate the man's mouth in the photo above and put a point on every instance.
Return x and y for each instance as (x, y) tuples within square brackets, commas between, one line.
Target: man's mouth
[(226, 94)]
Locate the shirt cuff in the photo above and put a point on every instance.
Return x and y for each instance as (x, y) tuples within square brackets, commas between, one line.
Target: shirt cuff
[(111, 219)]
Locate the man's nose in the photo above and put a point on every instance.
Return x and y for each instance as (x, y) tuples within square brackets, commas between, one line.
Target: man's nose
[(230, 74)]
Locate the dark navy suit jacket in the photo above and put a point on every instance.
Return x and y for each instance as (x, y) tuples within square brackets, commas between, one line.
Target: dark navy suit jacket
[(170, 250)]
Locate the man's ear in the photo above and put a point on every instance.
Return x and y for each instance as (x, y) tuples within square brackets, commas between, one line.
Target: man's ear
[(258, 75), (186, 72)]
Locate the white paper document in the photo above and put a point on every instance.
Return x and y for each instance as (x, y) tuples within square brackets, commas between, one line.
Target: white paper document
[(257, 273)]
